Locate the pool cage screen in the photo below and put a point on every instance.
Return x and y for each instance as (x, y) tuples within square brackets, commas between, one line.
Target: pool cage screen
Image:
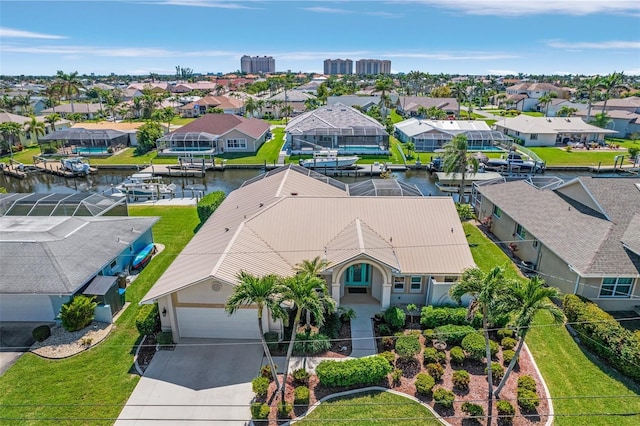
[(429, 142), (345, 138)]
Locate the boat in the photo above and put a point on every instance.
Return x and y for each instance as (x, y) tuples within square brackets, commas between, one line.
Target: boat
[(329, 159), (143, 257), (514, 163), (144, 185), (450, 183), (76, 165)]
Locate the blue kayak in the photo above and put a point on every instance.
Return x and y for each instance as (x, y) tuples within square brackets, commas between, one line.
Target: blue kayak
[(143, 256)]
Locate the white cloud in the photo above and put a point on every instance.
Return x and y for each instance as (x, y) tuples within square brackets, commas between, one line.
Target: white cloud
[(320, 9), (308, 56), (475, 56), (633, 71), (122, 52), (502, 72), (536, 7), (613, 44), (13, 33), (206, 3)]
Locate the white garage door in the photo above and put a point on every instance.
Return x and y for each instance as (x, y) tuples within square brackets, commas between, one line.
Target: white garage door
[(18, 307), (215, 323)]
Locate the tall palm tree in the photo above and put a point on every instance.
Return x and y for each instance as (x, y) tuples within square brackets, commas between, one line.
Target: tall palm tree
[(52, 94), (52, 119), (11, 131), (590, 86), (68, 86), (459, 91), (566, 111), (250, 106), (458, 160), (312, 267), (487, 291), (610, 83), (35, 128), (262, 292), (384, 85), (307, 293), (601, 120), (546, 101), (528, 298), (136, 105)]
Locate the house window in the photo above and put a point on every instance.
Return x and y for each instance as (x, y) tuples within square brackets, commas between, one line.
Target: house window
[(517, 133), (236, 143), (398, 284), (325, 139), (534, 136), (497, 212), (535, 243), (521, 232), (113, 264), (416, 285), (616, 287)]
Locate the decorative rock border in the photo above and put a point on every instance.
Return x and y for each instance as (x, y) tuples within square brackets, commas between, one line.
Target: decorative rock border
[(365, 390), (135, 357), (58, 346)]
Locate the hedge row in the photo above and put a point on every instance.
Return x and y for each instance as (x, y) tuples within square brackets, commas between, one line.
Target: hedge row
[(208, 204), (601, 333), (360, 371), (148, 319)]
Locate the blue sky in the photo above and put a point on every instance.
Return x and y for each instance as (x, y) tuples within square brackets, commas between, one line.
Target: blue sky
[(435, 36)]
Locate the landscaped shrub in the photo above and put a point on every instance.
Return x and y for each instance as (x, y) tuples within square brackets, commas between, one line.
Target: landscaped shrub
[(41, 333), (300, 376), (272, 340), (346, 314), (506, 411), (507, 356), (497, 372), (260, 410), (389, 356), (435, 370), (164, 338), (301, 395), (473, 345), (396, 375), (407, 346), (429, 334), (508, 343), (284, 410), (432, 317), (388, 342), (461, 379), (148, 319), (424, 384), (78, 313), (493, 345), (430, 355), (385, 330), (310, 344), (457, 355), (208, 204), (453, 334), (602, 334), (359, 371), (527, 382), (265, 371), (332, 325), (443, 397), (395, 317), (504, 332), (260, 385), (473, 410), (527, 400)]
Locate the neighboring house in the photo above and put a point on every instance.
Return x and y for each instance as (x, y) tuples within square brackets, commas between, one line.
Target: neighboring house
[(624, 123), (557, 104), (291, 214), (208, 86), (215, 134), (630, 104), (363, 102), (130, 128), (408, 106), (229, 104), (129, 94), (294, 98), (337, 127), (430, 135), (155, 87), (46, 260), (550, 131), (583, 236), (528, 94), (27, 137), (88, 110)]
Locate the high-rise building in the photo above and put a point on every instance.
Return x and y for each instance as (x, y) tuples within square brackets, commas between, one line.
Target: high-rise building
[(373, 66), (338, 66), (257, 64)]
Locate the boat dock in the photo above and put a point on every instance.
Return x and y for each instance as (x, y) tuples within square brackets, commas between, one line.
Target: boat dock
[(361, 170), (56, 168), (186, 167), (620, 168), (16, 170)]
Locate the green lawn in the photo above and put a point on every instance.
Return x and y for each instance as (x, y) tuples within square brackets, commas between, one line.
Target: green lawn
[(395, 117), (268, 152), (375, 408), (559, 157), (96, 383), (568, 371), (533, 113)]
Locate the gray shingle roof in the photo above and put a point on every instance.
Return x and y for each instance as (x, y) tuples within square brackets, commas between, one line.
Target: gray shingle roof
[(58, 255), (336, 116)]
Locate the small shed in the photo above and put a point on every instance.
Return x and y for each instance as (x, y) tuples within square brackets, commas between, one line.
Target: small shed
[(105, 289)]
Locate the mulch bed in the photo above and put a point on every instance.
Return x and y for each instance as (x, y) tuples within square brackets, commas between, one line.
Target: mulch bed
[(146, 352), (340, 346)]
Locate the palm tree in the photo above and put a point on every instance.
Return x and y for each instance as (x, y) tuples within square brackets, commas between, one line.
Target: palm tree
[(35, 128), (250, 106), (566, 111), (136, 105), (312, 267), (610, 83), (165, 115), (459, 91), (68, 86), (52, 95), (529, 298), (52, 119), (11, 130), (487, 291), (546, 101), (458, 160), (384, 85), (601, 120), (264, 293), (590, 86), (307, 293)]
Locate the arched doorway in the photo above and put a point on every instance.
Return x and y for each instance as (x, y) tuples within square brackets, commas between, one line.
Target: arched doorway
[(361, 283)]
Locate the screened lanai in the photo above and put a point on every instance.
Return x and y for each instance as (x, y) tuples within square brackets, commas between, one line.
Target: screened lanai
[(347, 140), (86, 141), (57, 204), (188, 143), (476, 140)]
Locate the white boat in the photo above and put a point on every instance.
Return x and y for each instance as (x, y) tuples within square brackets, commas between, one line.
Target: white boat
[(451, 182), (144, 185), (329, 159), (76, 165)]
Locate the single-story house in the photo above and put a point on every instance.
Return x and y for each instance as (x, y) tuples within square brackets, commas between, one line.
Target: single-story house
[(228, 104), (86, 141), (556, 105), (629, 104), (26, 138), (216, 134), (429, 135), (87, 110), (294, 98), (362, 102), (291, 214), (408, 106), (130, 128), (337, 127), (582, 236), (550, 131), (46, 260), (623, 122)]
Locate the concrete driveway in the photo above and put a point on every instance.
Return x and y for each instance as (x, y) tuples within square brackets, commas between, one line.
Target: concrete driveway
[(15, 340), (202, 380)]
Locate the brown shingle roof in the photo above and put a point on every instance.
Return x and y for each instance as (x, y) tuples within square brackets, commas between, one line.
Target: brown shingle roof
[(219, 124)]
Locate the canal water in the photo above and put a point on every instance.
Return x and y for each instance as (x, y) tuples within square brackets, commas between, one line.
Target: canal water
[(226, 181)]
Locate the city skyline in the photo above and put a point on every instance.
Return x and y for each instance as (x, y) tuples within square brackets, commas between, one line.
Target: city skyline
[(477, 37)]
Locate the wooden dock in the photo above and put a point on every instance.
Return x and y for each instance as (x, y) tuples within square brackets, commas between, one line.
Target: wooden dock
[(620, 168), (56, 168), (186, 167), (13, 170), (363, 170)]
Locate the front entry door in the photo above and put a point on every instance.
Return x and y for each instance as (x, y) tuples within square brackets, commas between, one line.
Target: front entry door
[(358, 275)]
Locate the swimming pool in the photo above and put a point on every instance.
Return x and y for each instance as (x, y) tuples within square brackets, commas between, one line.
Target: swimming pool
[(361, 149), (90, 150), (486, 148)]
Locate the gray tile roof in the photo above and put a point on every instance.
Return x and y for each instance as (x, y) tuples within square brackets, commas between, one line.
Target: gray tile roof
[(58, 255), (336, 116), (588, 240)]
